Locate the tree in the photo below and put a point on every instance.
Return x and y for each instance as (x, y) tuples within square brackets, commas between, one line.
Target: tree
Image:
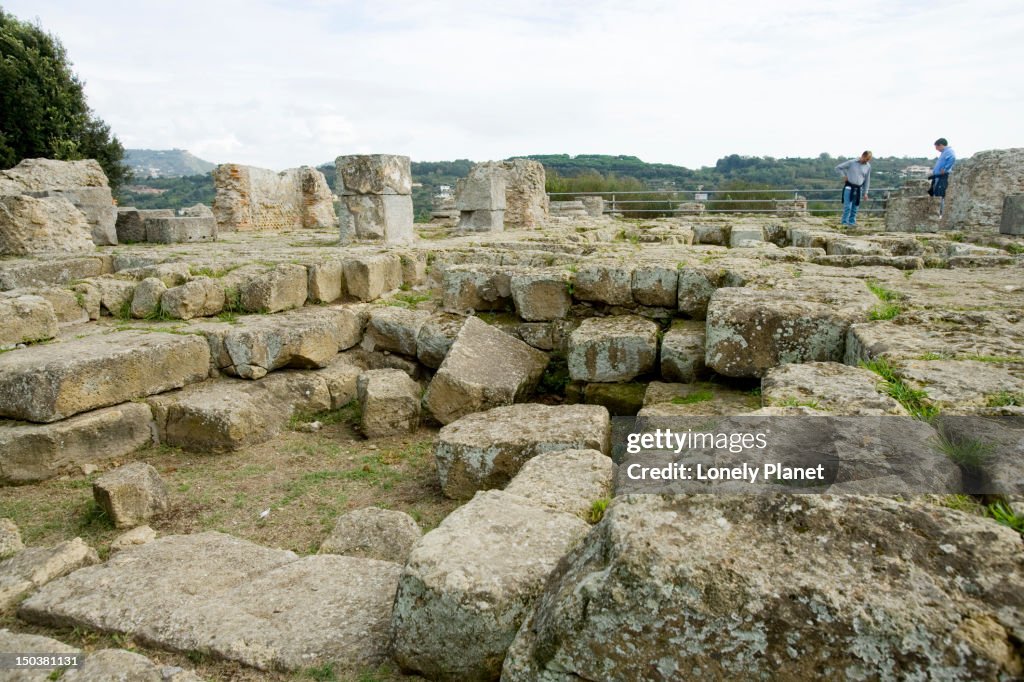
[(43, 112)]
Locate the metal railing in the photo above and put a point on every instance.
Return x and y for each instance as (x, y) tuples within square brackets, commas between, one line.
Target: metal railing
[(694, 201)]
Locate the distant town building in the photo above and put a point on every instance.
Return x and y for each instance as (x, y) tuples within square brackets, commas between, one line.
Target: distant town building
[(915, 172)]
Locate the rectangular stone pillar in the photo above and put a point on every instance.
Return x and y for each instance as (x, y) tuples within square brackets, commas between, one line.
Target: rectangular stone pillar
[(1012, 221), (376, 197)]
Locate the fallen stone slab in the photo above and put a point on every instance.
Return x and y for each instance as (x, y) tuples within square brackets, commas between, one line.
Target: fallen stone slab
[(541, 295), (22, 643), (119, 664), (305, 339), (389, 403), (42, 226), (436, 336), (471, 582), (870, 260), (95, 203), (10, 539), (962, 386), (609, 349), (230, 598), (26, 319), (373, 533), (484, 368), (813, 566), (486, 449), (136, 537), (466, 288), (131, 494), (664, 399), (56, 381), (828, 386), (394, 329), (681, 355), (34, 567), (569, 481), (36, 452)]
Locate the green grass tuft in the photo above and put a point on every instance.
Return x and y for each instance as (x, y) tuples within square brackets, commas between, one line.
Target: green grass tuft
[(916, 402), (598, 508), (969, 454), (884, 311), (1004, 514), (1005, 399), (701, 396)]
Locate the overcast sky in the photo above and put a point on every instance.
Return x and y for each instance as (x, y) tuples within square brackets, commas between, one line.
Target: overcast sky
[(284, 83)]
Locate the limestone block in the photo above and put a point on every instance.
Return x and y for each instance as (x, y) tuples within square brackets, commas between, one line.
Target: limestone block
[(68, 307), (656, 285), (367, 277), (594, 206), (682, 352), (845, 246), (374, 174), (35, 175), (34, 567), (115, 294), (373, 533), (471, 582), (718, 235), (483, 189), (317, 200), (131, 494), (978, 187), (436, 336), (484, 368), (526, 200), (180, 229), (394, 329), (40, 226), (482, 220), (541, 295), (616, 348), (1012, 220), (171, 274), (472, 287), (604, 283), (250, 198), (653, 550), (745, 235), (325, 283), (90, 298), (282, 288), (146, 299), (52, 382), (36, 452), (131, 223), (341, 377), (201, 297), (487, 449), (24, 319), (389, 403), (53, 271), (569, 481), (414, 268), (381, 217), (264, 608), (96, 204), (136, 537), (10, 539)]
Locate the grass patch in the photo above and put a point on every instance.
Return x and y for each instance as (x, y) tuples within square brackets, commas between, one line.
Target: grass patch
[(232, 300), (964, 503), (888, 308), (408, 299), (1015, 249), (1002, 513), (229, 316), (916, 402), (597, 509), (795, 402), (349, 413), (701, 396), (125, 311), (882, 292), (932, 356), (1005, 399), (969, 454), (884, 311), (158, 314)]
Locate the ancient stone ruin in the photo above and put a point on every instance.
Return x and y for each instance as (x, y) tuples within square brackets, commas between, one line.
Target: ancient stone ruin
[(392, 454)]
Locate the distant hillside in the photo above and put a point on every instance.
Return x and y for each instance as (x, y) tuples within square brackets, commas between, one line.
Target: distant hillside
[(165, 163)]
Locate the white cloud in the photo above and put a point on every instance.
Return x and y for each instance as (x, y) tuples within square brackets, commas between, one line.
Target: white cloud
[(280, 84)]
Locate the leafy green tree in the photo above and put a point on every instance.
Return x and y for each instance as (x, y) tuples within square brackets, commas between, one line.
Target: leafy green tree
[(43, 112)]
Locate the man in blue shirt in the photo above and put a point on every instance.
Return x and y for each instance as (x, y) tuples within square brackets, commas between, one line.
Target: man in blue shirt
[(856, 174), (940, 174)]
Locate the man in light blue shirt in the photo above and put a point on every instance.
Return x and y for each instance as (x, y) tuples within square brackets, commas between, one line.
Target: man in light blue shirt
[(940, 174), (856, 174)]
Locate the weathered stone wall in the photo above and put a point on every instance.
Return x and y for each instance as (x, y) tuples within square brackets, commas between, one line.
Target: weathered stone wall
[(526, 201), (251, 199), (911, 209), (497, 194), (979, 186)]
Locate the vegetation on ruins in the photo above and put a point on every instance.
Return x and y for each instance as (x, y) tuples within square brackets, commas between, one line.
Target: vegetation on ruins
[(915, 401), (43, 112)]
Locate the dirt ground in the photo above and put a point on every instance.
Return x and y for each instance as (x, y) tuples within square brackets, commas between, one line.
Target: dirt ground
[(285, 493)]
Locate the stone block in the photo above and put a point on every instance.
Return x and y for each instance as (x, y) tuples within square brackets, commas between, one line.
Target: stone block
[(115, 294), (414, 268), (484, 368), (656, 285), (541, 295), (52, 382), (317, 200), (131, 494), (380, 217), (180, 229), (394, 329), (373, 533), (146, 299), (501, 548), (483, 189), (487, 449), (389, 403), (569, 481), (374, 174), (34, 567), (745, 235), (42, 226), (1012, 220), (131, 223), (325, 282), (201, 297), (618, 348), (717, 235), (367, 277), (54, 271), (96, 204), (136, 537), (25, 319), (482, 220), (526, 200), (604, 283), (436, 336), (282, 288), (250, 199), (68, 307), (36, 452), (682, 352), (467, 288), (830, 387)]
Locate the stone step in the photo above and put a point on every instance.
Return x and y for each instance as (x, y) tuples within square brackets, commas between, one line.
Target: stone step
[(50, 382), (223, 596)]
